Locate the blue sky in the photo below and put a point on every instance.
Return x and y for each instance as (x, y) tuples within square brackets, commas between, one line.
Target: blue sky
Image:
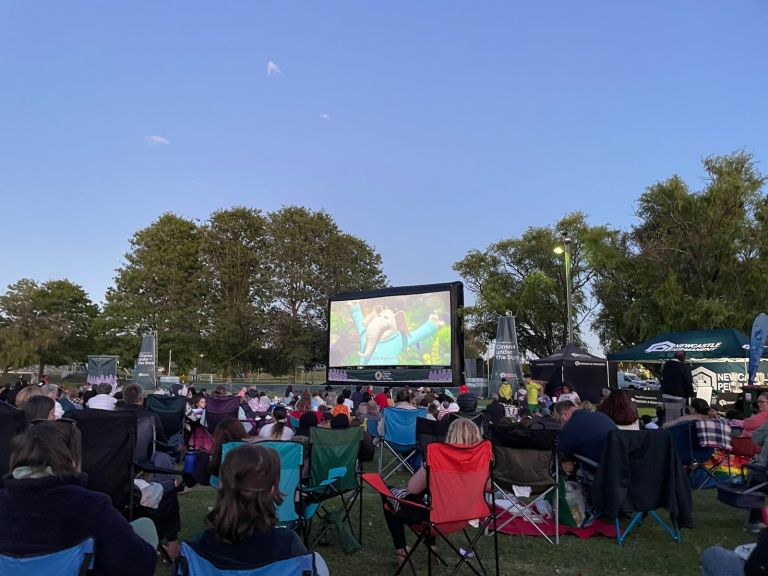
[(450, 125)]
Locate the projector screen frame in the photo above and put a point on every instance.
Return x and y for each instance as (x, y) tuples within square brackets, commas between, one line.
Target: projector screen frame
[(423, 375)]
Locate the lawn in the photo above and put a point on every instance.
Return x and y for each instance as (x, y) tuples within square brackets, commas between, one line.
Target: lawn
[(648, 551)]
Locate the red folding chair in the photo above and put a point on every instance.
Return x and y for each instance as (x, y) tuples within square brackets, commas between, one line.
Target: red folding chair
[(453, 470)]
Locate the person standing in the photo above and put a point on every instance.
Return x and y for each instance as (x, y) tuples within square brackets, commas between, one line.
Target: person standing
[(676, 386)]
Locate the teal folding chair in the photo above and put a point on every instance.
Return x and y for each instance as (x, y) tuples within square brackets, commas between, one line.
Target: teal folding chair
[(74, 561), (291, 460)]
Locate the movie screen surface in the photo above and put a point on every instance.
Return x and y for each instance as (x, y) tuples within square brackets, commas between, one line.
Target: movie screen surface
[(399, 330)]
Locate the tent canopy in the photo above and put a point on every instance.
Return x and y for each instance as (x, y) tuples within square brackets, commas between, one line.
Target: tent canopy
[(585, 371), (571, 353), (721, 343)]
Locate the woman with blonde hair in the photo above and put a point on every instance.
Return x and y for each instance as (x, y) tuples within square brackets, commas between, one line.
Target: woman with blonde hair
[(461, 432)]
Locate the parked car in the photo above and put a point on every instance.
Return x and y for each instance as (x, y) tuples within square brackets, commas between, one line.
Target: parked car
[(630, 381)]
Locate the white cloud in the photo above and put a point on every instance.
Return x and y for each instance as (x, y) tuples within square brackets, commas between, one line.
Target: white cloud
[(272, 69), (325, 116), (157, 140)]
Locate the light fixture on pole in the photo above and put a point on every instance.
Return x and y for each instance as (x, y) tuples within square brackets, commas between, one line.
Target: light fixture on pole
[(566, 249)]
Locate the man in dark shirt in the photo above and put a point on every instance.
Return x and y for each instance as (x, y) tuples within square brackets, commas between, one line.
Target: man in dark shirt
[(676, 386), (357, 397), (133, 396), (583, 432)]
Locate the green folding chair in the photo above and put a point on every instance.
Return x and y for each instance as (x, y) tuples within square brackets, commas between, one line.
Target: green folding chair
[(334, 474)]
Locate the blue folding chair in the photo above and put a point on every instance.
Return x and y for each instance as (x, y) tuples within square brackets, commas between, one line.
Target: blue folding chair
[(399, 438), (193, 564), (291, 460), (692, 455), (74, 561)]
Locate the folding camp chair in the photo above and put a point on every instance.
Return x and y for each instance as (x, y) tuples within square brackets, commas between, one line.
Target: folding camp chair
[(217, 408), (526, 457), (192, 563), (171, 410), (12, 422), (291, 460), (639, 473), (111, 455), (74, 561), (333, 473), (399, 438), (693, 452), (453, 470), (429, 431)]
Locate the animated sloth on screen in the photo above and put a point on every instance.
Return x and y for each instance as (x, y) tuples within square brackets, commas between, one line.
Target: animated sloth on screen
[(384, 333)]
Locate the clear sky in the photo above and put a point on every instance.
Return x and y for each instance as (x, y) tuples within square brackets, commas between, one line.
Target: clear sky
[(426, 128)]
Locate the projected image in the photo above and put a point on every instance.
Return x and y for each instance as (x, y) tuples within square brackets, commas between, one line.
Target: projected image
[(403, 330)]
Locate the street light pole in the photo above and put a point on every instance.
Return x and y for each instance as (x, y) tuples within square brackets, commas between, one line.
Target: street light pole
[(567, 242), (566, 249)]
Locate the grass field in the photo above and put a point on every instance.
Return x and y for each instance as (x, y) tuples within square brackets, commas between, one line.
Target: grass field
[(649, 550)]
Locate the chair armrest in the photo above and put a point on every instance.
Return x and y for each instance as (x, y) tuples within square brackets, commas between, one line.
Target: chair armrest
[(376, 482)]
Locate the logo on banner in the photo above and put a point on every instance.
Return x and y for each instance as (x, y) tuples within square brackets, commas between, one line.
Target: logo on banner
[(704, 377), (668, 346)]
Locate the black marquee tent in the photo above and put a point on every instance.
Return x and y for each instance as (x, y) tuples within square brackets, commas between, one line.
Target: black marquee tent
[(586, 372)]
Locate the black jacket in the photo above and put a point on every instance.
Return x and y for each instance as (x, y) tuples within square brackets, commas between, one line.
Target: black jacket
[(48, 514), (640, 472), (676, 379)]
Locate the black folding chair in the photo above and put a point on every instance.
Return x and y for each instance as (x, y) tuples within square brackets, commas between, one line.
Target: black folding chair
[(526, 456), (114, 453), (429, 431), (171, 410)]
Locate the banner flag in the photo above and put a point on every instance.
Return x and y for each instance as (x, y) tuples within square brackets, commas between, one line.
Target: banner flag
[(144, 371), (507, 362), (102, 369), (756, 343)]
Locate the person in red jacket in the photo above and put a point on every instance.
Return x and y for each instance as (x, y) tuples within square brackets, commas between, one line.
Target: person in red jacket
[(382, 398)]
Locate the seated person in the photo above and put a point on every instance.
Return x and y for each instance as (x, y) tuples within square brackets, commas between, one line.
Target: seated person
[(340, 407), (582, 432), (699, 410), (46, 507), (468, 409), (39, 408), (757, 419), (103, 399), (228, 430), (278, 429), (243, 523), (744, 561), (620, 408), (462, 432)]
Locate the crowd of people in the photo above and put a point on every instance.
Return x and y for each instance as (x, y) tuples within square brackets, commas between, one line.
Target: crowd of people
[(50, 507)]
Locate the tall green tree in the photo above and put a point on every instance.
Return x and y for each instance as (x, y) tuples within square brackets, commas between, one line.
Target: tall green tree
[(525, 276), (160, 287), (310, 258), (695, 260), (235, 256), (47, 323)]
